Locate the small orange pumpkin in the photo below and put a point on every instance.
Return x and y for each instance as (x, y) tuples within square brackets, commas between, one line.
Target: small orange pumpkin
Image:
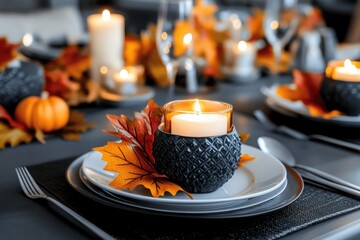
[(44, 113)]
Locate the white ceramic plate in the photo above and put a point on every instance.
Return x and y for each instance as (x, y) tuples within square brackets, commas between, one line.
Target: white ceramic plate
[(186, 209), (293, 190), (258, 177), (297, 107)]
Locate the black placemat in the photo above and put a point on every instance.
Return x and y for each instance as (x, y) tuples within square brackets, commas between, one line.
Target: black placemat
[(313, 206)]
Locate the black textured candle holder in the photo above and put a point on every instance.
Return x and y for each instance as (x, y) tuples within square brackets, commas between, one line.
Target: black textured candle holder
[(197, 164), (341, 95)]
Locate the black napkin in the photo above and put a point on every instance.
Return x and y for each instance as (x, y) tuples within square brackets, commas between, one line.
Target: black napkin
[(313, 206)]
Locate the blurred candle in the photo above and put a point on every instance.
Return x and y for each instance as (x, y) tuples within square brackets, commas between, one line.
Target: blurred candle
[(125, 82), (198, 124), (106, 41), (348, 72)]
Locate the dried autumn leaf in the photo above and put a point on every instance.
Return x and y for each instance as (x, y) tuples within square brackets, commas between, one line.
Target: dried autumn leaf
[(4, 114), (57, 83), (73, 61), (13, 136), (141, 130), (134, 170), (309, 85), (289, 93), (244, 137), (77, 124), (40, 136), (8, 52), (317, 111), (245, 158)]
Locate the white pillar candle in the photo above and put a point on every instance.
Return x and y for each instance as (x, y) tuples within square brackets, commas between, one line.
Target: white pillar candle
[(125, 82), (106, 41), (348, 72), (199, 124), (244, 57)]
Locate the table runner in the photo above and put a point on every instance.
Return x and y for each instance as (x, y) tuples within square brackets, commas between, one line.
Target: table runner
[(313, 206)]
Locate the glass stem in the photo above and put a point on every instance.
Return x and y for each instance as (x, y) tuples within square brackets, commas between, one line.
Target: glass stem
[(277, 49), (171, 70)]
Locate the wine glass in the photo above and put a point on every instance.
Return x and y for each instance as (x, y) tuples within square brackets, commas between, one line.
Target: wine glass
[(173, 36), (280, 23)]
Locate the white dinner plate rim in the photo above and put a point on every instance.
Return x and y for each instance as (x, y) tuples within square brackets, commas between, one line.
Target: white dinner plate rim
[(250, 166), (298, 107), (184, 209)]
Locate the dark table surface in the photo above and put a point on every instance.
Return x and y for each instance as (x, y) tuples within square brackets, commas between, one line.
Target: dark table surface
[(22, 217)]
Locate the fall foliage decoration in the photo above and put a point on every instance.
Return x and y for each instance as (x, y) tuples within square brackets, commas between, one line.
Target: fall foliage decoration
[(8, 52), (132, 158), (43, 113), (13, 133), (68, 76), (306, 89)]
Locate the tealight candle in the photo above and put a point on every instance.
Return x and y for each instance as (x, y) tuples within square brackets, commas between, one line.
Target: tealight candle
[(347, 72), (240, 56), (198, 118), (125, 82), (106, 41)]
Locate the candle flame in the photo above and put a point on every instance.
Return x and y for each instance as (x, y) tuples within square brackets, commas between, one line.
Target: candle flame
[(197, 107), (242, 46), (106, 15), (236, 24), (27, 40), (187, 39), (164, 36), (123, 74), (274, 25), (103, 70), (349, 66)]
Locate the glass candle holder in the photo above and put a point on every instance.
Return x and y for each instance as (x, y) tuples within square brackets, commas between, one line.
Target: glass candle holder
[(198, 118)]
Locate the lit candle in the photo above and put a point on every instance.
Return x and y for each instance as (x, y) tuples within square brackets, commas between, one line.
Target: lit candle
[(348, 72), (244, 56), (125, 82), (240, 57), (198, 124), (106, 41)]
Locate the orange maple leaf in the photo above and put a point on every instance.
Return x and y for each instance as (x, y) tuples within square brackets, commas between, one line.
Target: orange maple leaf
[(244, 137), (141, 130), (5, 115), (245, 158), (133, 170), (73, 61), (8, 52)]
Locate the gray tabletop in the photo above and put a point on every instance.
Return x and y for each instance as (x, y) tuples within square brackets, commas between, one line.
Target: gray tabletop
[(21, 217)]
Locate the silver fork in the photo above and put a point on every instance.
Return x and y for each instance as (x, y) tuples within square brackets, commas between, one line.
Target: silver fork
[(260, 115), (33, 191)]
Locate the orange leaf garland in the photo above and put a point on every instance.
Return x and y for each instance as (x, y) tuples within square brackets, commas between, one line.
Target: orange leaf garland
[(133, 170)]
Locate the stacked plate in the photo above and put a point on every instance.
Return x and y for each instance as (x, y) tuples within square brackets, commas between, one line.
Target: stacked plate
[(263, 185), (299, 109)]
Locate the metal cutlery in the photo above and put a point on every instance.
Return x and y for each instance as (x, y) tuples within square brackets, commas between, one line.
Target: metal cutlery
[(260, 115), (278, 150), (33, 191)]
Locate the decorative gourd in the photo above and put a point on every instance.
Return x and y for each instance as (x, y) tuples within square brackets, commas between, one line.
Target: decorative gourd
[(17, 83), (44, 113)]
